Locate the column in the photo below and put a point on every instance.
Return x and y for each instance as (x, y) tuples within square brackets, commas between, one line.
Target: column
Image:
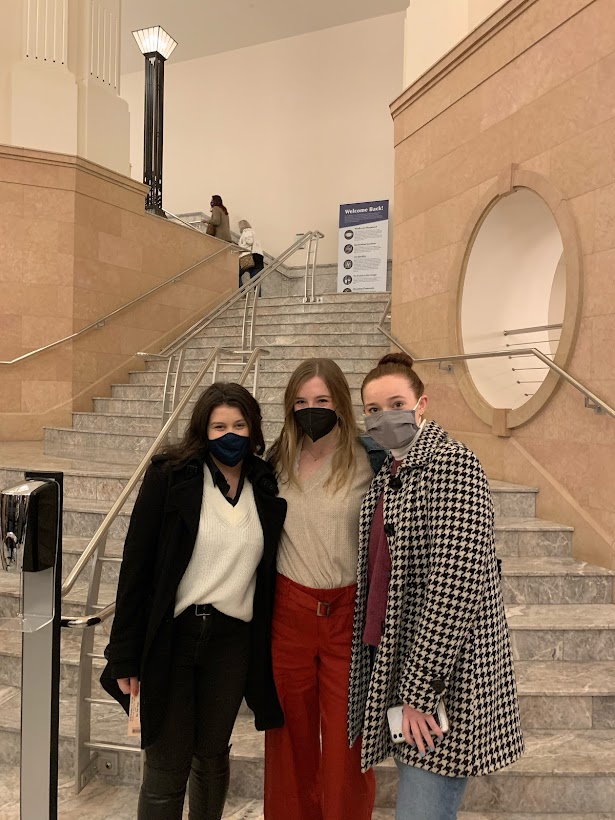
[(59, 79), (104, 120)]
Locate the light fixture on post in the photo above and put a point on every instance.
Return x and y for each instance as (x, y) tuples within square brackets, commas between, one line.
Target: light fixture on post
[(156, 46)]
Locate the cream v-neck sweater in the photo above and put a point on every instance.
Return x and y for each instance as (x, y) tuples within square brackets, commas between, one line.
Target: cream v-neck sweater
[(319, 545), (228, 549)]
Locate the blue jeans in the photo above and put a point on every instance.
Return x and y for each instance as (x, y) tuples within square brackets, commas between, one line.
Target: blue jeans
[(423, 795)]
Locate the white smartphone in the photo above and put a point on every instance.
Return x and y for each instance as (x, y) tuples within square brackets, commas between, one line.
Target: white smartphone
[(395, 714)]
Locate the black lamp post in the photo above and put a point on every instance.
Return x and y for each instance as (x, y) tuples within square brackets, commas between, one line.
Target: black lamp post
[(156, 46)]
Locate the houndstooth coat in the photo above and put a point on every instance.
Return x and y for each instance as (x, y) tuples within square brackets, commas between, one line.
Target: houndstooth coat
[(445, 632)]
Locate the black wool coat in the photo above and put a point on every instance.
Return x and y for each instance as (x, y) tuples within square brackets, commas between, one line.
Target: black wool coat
[(157, 551)]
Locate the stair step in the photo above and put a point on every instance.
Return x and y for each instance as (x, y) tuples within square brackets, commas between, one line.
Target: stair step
[(73, 548), (524, 580), (566, 695), (287, 335), (100, 797), (517, 537), (267, 309), (299, 351), (564, 771), (10, 660), (543, 580), (104, 800), (332, 299), (569, 632)]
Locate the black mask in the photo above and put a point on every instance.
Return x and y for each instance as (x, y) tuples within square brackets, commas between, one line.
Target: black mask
[(230, 449), (316, 422)]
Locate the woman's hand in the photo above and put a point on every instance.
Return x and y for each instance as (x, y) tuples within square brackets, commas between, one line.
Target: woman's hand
[(129, 686), (417, 728)]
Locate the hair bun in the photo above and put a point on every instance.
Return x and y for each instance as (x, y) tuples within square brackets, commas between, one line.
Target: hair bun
[(397, 358)]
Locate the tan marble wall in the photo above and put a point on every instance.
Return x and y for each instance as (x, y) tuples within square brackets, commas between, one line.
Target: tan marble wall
[(75, 244), (534, 86)]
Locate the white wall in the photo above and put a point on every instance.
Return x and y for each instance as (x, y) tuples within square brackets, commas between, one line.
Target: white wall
[(285, 131), (509, 284), (434, 27)]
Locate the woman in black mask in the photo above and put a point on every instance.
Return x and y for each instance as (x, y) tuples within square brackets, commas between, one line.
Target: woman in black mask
[(324, 473), (194, 604)]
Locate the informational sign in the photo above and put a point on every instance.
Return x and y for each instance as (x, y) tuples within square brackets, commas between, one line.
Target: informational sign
[(363, 247)]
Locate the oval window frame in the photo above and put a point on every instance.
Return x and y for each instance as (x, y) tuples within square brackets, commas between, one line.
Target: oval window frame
[(506, 184)]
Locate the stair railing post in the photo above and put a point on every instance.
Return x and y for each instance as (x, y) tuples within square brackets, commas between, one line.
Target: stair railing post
[(167, 394), (307, 289), (85, 762), (314, 265), (177, 386)]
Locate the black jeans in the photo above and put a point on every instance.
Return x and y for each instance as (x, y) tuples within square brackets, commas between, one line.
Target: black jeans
[(208, 676), (259, 264)]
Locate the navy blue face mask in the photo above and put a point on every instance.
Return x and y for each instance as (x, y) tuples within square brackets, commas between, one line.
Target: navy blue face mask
[(230, 448)]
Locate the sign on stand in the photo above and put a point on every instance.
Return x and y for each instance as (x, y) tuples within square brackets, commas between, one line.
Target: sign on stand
[(363, 247)]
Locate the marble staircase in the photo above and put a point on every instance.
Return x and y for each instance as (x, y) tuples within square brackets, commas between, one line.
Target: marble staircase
[(343, 327), (561, 612)]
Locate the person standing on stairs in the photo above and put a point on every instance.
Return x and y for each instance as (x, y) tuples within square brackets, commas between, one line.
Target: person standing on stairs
[(192, 628), (252, 261), (429, 618), (218, 224), (324, 471)]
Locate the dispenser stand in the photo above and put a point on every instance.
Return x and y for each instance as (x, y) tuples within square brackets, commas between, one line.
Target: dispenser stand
[(40, 676)]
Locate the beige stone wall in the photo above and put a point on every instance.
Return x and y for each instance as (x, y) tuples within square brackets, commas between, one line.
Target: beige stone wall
[(75, 244), (533, 88)]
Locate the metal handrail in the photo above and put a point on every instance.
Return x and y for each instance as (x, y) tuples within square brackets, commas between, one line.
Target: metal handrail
[(103, 320), (183, 221), (85, 764), (103, 529), (253, 284), (178, 409), (204, 219), (518, 331), (591, 399)]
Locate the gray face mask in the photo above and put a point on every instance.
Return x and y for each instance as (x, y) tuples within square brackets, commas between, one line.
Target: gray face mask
[(392, 429)]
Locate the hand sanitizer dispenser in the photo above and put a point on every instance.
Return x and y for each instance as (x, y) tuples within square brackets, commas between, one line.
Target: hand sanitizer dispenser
[(31, 547)]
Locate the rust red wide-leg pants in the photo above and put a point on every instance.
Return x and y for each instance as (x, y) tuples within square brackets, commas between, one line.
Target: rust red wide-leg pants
[(310, 773)]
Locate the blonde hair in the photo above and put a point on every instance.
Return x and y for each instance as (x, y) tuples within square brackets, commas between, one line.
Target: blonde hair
[(243, 224), (284, 452)]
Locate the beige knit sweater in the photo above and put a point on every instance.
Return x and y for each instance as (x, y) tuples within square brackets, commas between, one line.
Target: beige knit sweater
[(319, 545)]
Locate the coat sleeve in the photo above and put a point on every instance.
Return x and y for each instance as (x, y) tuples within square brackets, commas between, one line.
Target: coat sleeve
[(216, 216), (135, 587), (460, 533)]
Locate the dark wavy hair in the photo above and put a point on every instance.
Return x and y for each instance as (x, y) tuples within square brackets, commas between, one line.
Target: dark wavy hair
[(218, 394), (217, 200)]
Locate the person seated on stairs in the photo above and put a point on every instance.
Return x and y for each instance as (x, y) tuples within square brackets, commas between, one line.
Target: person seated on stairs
[(429, 618), (252, 261), (195, 603), (218, 224), (324, 471)]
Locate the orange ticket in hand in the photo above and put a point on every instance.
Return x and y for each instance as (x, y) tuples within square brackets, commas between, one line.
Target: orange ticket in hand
[(134, 716)]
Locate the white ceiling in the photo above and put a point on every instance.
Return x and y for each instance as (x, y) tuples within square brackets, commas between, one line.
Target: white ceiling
[(203, 27)]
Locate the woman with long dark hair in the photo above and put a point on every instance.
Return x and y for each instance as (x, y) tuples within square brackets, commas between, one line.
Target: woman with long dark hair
[(218, 224), (430, 633), (194, 604)]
